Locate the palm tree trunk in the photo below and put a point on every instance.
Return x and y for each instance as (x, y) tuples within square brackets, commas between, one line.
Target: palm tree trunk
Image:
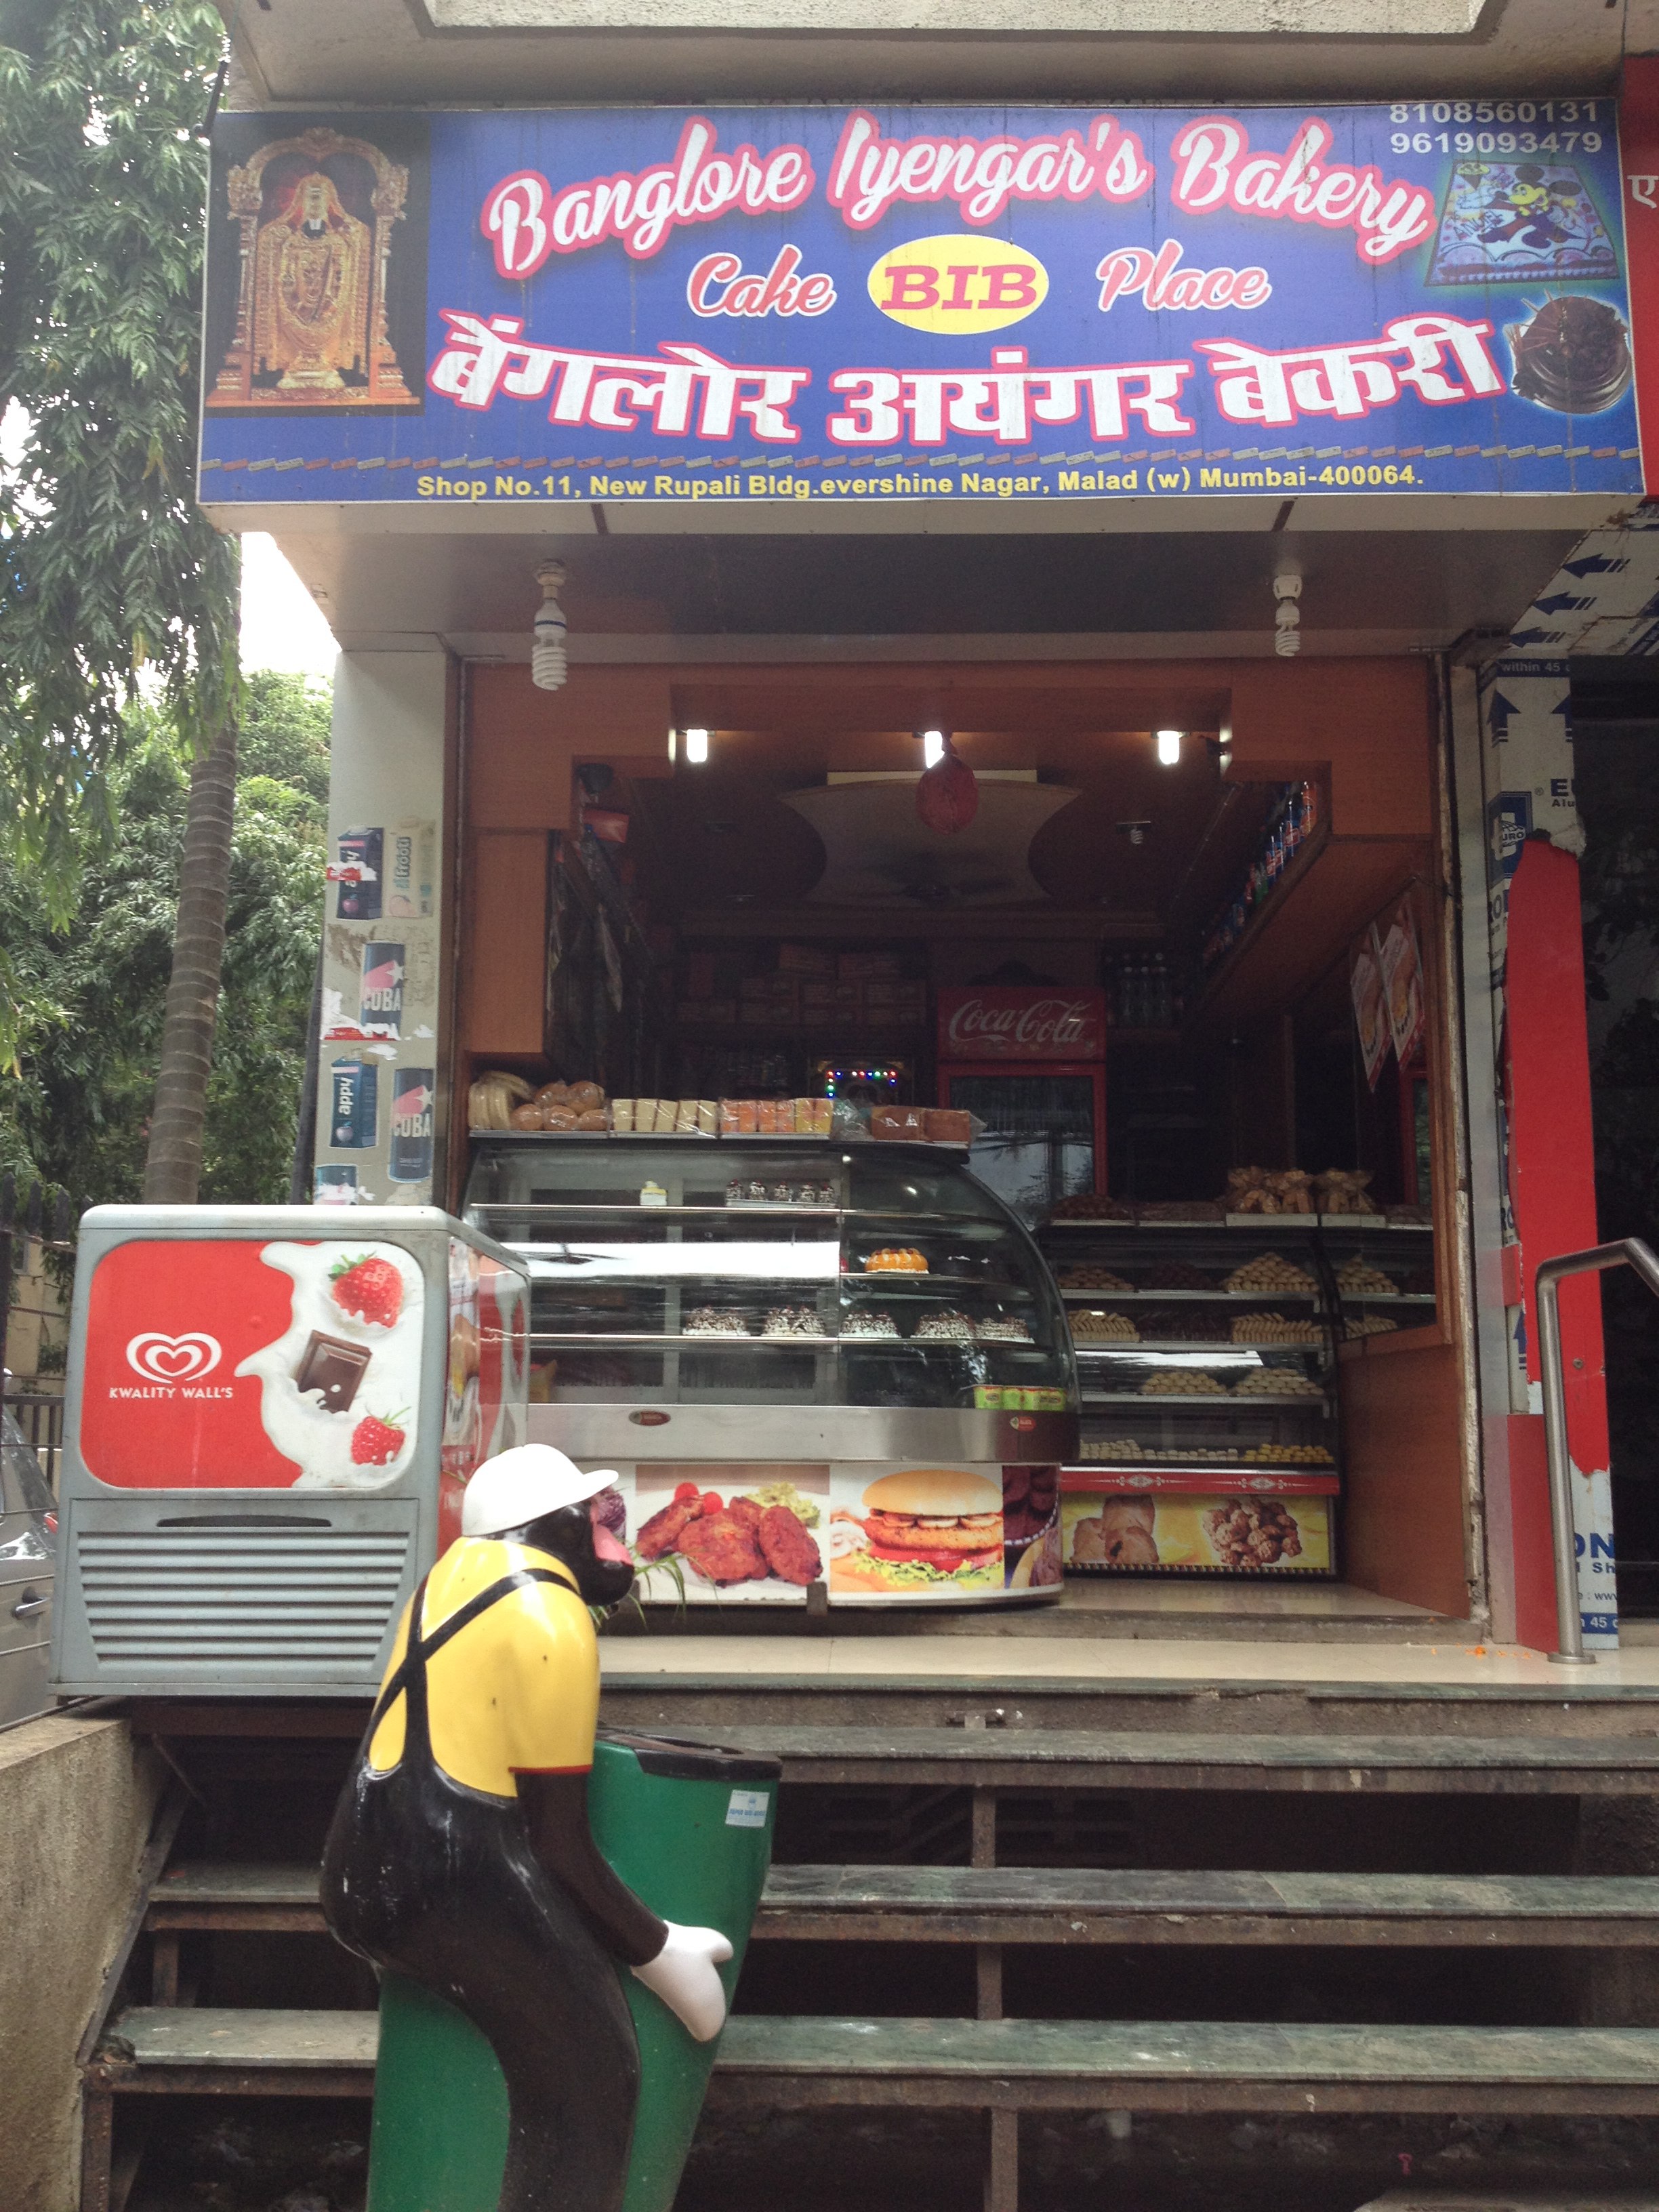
[(173, 1165)]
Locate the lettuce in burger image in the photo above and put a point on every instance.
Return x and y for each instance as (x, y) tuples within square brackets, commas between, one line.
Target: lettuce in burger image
[(931, 1529)]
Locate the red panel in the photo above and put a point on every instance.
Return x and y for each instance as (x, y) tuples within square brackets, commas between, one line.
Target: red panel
[(1552, 1137), (1639, 146), (1004, 1023), (167, 1325)]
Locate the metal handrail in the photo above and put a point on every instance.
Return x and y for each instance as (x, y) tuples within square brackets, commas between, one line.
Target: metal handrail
[(1628, 1252)]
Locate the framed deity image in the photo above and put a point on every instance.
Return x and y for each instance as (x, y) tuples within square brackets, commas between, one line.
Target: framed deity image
[(317, 251)]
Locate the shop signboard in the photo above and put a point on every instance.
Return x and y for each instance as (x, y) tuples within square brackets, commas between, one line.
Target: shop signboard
[(833, 305)]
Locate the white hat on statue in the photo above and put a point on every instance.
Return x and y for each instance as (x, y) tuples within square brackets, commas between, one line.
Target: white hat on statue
[(523, 1484)]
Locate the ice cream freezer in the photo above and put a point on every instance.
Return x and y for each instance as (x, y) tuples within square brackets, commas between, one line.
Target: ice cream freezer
[(272, 1412), (815, 1363)]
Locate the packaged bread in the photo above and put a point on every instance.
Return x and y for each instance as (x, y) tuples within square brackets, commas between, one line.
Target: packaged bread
[(730, 1117), (685, 1117), (622, 1115), (490, 1100), (946, 1125), (802, 1115), (708, 1118), (527, 1117), (553, 1094), (558, 1117), (766, 1117), (585, 1097), (594, 1118), (824, 1117), (666, 1113)]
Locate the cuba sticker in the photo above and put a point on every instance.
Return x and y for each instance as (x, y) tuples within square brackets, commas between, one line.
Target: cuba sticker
[(958, 284), (747, 1809)]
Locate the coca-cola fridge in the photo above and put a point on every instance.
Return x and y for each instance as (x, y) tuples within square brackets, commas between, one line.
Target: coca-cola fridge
[(1030, 1062)]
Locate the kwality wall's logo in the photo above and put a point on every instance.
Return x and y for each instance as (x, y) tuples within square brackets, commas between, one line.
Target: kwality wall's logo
[(154, 1357)]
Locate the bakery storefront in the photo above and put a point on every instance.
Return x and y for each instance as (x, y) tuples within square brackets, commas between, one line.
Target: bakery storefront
[(914, 820)]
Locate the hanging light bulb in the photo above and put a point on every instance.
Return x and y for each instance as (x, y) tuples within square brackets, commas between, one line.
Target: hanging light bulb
[(1287, 616), (1168, 748), (933, 748), (697, 746), (548, 665)]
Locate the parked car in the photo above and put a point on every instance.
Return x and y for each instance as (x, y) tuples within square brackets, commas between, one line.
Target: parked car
[(28, 1531)]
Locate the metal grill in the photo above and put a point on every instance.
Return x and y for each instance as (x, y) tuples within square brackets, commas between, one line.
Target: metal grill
[(305, 1597)]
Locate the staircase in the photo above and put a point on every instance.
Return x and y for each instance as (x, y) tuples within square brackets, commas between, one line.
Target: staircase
[(1429, 1947)]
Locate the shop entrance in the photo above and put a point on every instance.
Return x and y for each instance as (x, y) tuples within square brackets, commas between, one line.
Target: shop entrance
[(1173, 940)]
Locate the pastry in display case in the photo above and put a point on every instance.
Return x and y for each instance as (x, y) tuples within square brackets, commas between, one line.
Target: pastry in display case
[(873, 1363)]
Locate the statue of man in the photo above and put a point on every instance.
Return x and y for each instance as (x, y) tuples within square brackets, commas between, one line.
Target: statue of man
[(460, 1855)]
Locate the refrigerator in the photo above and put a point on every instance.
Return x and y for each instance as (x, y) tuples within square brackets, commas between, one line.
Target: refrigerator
[(1029, 1061)]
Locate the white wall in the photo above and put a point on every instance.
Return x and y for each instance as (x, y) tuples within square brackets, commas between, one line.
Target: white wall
[(387, 774)]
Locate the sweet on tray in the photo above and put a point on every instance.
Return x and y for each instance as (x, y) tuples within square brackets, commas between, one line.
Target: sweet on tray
[(894, 1259), (1276, 1382), (1089, 1327), (1182, 1383), (1270, 1271)]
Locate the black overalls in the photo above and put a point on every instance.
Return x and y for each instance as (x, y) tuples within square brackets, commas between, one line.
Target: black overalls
[(437, 1882)]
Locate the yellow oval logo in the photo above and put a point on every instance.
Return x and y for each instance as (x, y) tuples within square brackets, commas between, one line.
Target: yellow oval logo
[(958, 284)]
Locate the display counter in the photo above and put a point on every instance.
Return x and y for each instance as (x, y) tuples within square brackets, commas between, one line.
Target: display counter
[(815, 1364), (1208, 1347)]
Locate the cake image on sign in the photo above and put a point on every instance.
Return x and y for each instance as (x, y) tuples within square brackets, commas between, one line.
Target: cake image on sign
[(919, 1532)]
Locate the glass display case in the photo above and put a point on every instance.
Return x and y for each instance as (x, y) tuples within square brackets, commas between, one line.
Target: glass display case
[(794, 1323), (1208, 1350)]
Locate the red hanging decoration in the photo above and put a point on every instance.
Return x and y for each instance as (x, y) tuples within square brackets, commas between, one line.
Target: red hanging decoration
[(947, 796)]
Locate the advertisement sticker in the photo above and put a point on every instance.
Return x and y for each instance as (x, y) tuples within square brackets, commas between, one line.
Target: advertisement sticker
[(1251, 1532), (228, 1365)]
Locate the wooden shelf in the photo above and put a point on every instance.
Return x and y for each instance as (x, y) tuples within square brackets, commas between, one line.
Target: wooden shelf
[(1331, 890)]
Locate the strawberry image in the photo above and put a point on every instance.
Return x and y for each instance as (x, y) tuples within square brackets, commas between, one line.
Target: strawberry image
[(367, 1289), (376, 1442)]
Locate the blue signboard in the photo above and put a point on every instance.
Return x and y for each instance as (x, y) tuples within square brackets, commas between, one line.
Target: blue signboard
[(825, 304)]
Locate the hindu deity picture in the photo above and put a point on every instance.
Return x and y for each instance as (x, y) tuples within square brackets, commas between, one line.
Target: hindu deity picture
[(317, 269)]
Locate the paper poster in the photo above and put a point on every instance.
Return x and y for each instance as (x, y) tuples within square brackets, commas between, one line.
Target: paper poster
[(1402, 983), (1369, 1013), (1248, 1534)]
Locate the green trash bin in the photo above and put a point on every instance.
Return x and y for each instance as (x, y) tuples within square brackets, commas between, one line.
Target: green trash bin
[(688, 1829)]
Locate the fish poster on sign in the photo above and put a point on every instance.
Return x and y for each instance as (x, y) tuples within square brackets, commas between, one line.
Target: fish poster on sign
[(1370, 1009), (830, 305), (1401, 964)]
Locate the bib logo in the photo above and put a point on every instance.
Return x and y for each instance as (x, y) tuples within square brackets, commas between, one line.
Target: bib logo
[(956, 285), (162, 1358)]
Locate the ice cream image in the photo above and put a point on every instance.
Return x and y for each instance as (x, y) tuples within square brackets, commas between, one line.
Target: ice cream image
[(339, 1388)]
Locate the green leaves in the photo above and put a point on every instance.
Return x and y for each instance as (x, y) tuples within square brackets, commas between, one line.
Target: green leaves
[(89, 1000), (107, 567)]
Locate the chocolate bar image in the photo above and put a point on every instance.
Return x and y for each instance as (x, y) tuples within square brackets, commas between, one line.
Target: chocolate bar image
[(331, 1365)]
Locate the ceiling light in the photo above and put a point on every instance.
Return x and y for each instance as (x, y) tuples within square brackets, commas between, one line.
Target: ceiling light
[(1168, 748), (697, 746), (547, 646), (933, 748), (1287, 616)]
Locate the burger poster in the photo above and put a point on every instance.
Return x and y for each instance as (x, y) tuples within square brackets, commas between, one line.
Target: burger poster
[(932, 1534)]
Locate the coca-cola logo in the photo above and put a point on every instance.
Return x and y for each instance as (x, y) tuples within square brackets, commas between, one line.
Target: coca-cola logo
[(1040, 1023), (184, 1358)]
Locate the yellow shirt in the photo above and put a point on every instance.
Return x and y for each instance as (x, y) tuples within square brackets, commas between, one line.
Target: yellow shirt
[(516, 1691)]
